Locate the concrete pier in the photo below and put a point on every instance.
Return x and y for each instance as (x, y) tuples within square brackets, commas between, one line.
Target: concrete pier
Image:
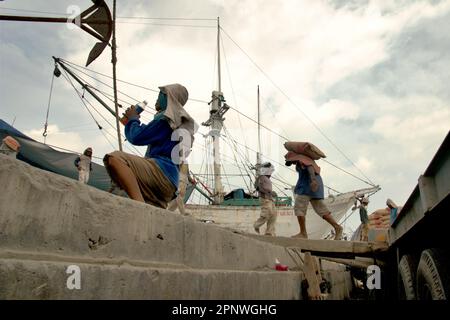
[(129, 250)]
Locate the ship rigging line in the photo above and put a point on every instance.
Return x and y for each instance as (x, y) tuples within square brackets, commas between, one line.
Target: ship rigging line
[(369, 182), (81, 98), (139, 18), (292, 102), (100, 128), (48, 109), (126, 82), (282, 165), (76, 67), (232, 91), (236, 160), (244, 158)]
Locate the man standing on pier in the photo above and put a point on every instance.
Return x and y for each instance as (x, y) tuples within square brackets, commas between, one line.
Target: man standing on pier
[(268, 212)]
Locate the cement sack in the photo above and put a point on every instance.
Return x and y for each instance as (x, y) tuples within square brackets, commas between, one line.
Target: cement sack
[(305, 148)]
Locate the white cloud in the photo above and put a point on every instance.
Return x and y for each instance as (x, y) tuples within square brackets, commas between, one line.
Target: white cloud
[(70, 140), (306, 47), (413, 123)]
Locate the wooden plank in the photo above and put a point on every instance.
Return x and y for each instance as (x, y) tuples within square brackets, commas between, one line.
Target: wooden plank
[(313, 276), (331, 248), (358, 262)]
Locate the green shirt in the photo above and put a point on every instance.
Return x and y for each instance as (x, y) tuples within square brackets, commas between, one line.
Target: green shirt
[(363, 215)]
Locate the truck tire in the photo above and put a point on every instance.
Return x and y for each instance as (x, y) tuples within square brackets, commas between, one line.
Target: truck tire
[(407, 278), (433, 279)]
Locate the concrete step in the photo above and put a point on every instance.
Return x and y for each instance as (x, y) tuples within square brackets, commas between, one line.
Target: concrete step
[(45, 212), (33, 279)]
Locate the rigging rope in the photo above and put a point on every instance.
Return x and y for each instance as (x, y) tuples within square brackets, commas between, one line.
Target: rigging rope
[(369, 182), (81, 98), (234, 154), (292, 102), (233, 92), (48, 109), (65, 75)]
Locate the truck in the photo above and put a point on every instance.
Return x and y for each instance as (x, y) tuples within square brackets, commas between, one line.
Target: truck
[(418, 257)]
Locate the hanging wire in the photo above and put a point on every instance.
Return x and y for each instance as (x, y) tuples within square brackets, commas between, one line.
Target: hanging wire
[(168, 25), (90, 113), (34, 11), (225, 174), (76, 67), (159, 18), (236, 110), (292, 102), (232, 91), (131, 18), (283, 165), (129, 83), (48, 108), (65, 75), (72, 151), (234, 149), (81, 96)]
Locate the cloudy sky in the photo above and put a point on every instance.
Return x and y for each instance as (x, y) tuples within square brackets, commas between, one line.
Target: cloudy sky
[(363, 80)]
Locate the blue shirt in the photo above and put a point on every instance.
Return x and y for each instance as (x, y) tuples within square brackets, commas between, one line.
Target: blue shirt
[(393, 214), (303, 188), (157, 135)]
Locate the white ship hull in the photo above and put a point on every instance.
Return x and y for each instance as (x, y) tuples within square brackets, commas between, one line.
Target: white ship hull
[(242, 218)]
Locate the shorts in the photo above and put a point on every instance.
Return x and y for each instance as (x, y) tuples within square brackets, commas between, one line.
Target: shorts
[(155, 187), (301, 205)]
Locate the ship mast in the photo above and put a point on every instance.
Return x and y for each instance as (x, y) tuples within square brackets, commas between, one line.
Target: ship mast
[(215, 121), (258, 154), (217, 125), (114, 62)]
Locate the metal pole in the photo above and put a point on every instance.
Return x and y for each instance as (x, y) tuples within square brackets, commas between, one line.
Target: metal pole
[(258, 154), (114, 61), (84, 86), (216, 126)]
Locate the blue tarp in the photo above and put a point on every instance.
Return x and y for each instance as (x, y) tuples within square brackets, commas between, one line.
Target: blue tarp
[(44, 157)]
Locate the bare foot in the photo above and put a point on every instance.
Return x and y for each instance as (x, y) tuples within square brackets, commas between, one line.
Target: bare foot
[(338, 235)]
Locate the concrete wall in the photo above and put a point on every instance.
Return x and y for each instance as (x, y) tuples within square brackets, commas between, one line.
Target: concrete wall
[(23, 279), (48, 222)]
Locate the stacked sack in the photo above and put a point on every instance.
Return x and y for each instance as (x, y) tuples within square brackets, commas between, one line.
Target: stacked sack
[(380, 219), (303, 152)]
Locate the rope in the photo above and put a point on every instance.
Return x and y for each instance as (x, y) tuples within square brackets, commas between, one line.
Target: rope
[(233, 92), (292, 102), (143, 18), (81, 98), (369, 182), (126, 82), (48, 109)]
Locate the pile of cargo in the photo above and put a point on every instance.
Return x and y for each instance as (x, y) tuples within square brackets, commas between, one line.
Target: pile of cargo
[(380, 219)]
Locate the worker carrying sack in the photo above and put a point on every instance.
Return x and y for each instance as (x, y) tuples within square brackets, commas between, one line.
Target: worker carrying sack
[(305, 148), (292, 158)]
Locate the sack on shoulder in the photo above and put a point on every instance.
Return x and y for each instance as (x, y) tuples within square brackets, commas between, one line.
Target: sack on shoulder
[(305, 148)]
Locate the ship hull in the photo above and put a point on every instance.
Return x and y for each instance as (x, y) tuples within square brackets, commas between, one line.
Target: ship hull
[(242, 218)]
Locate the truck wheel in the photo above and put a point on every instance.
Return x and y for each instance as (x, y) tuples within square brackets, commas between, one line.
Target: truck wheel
[(433, 279), (407, 278)]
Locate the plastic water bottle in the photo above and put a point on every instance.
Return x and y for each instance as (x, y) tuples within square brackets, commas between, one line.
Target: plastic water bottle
[(139, 108)]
